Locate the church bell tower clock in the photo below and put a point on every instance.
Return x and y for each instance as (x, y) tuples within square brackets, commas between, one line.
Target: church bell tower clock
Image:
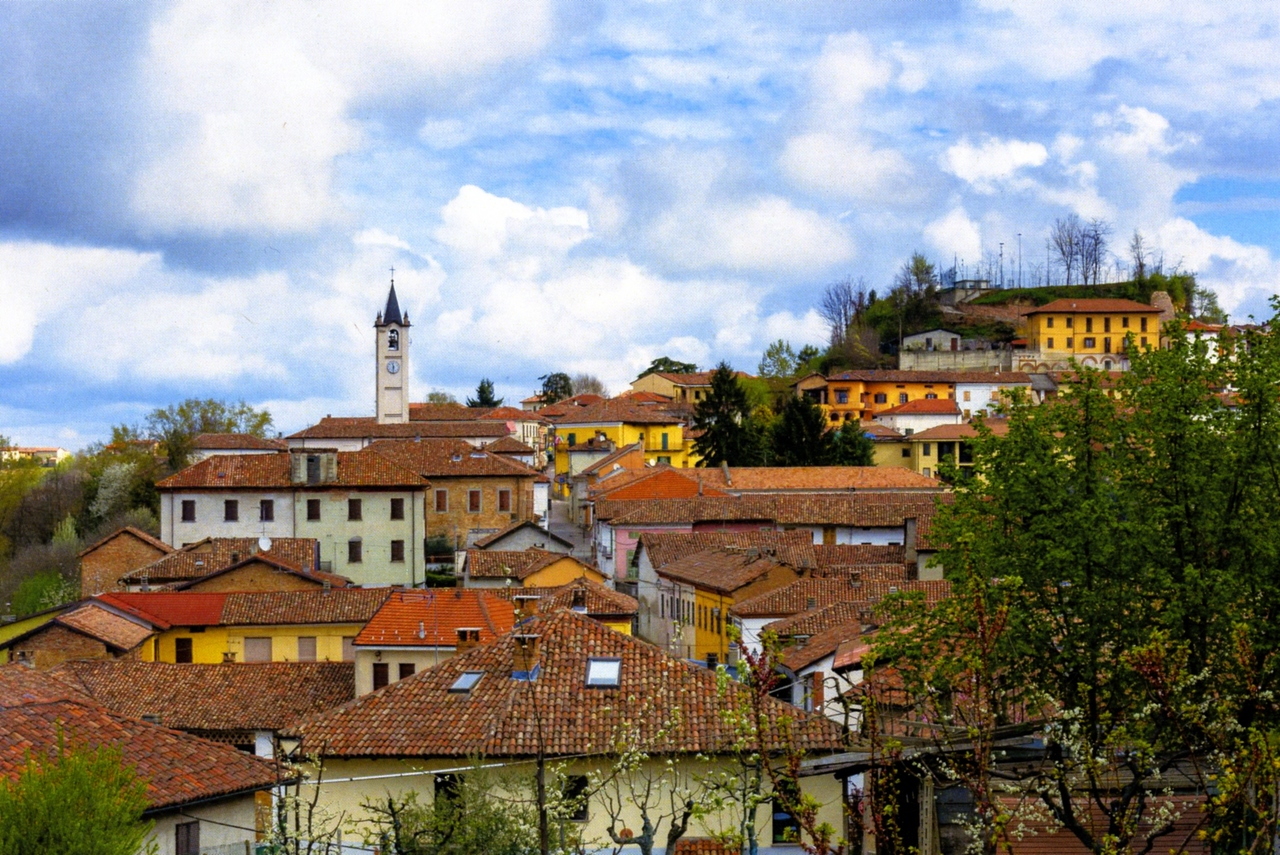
[(392, 357)]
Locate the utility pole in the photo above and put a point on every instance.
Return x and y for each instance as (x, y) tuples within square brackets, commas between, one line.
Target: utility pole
[(1001, 264), (1019, 259)]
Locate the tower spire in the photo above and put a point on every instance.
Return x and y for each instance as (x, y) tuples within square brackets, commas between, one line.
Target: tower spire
[(391, 314)]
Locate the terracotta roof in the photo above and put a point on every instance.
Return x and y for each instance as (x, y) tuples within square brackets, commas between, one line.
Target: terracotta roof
[(800, 596), (790, 547), (1201, 326), (999, 427), (498, 717), (862, 510), (363, 468), (864, 609), (723, 570), (823, 644), (239, 696), (506, 414), (199, 559), (923, 407), (569, 406), (449, 458), (848, 554), (645, 397), (1068, 305), (703, 846), (432, 618), (109, 628), (606, 462), (237, 441), (986, 377), (512, 564), (508, 445), (368, 428), (449, 412), (878, 432), (659, 483), (891, 375), (178, 768), (316, 577), (134, 532), (697, 378), (484, 542), (597, 600), (758, 479), (617, 410), (250, 608)]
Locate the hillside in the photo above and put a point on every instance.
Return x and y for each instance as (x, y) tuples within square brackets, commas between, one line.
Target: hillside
[(1176, 284)]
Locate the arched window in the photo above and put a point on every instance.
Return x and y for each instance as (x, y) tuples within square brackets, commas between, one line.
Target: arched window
[(393, 339)]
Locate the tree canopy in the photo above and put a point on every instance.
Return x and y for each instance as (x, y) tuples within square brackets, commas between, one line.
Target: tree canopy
[(177, 425), (556, 387), (667, 365), (484, 395), (799, 436), (729, 433)]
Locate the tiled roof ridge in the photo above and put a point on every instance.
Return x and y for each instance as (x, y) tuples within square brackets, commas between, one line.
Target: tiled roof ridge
[(133, 530)]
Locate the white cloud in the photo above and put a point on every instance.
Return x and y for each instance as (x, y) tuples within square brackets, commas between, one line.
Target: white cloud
[(487, 228), (1236, 272), (955, 235), (377, 237), (993, 163), (847, 167)]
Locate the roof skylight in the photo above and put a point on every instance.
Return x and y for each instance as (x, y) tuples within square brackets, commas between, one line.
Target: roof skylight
[(604, 673), (466, 681)]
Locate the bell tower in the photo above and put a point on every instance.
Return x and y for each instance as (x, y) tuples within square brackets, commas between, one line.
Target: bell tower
[(392, 368)]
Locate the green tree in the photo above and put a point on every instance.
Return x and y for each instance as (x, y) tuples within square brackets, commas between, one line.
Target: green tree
[(177, 425), (779, 360), (729, 433), (799, 437), (852, 447), (667, 365), (484, 395), (555, 387), (436, 396), (74, 801), (465, 816)]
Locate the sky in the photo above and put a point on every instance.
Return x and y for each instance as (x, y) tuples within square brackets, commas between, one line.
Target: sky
[(207, 199)]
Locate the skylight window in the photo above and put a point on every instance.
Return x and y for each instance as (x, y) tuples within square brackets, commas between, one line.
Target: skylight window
[(604, 673), (466, 681)]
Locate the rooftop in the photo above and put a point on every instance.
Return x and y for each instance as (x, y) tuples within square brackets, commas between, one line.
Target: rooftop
[(1068, 306), (237, 441), (724, 570), (363, 468), (790, 547), (923, 407), (512, 564), (367, 427), (200, 559), (165, 609), (450, 458), (432, 618)]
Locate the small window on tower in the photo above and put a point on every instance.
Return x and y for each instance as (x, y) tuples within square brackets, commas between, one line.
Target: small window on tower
[(393, 339)]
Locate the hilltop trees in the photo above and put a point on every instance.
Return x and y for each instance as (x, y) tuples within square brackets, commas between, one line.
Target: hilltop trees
[(730, 434), (177, 425)]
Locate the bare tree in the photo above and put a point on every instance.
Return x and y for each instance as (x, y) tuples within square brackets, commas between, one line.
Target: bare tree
[(1093, 243), (588, 384), (1064, 243), (1138, 256), (842, 304)]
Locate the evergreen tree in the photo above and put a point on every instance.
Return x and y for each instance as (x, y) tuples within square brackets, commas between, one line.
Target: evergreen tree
[(667, 365), (484, 395), (852, 447), (800, 437), (556, 387), (729, 433)]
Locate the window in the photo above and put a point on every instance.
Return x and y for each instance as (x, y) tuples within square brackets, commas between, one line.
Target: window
[(182, 650), (926, 449), (1049, 322), (381, 675), (881, 398), (349, 648), (1090, 342), (697, 396), (842, 396), (1106, 344), (397, 509), (931, 396), (1106, 325), (604, 673), (354, 509), (231, 510), (995, 394), (1143, 324), (442, 501), (267, 510), (313, 469), (355, 551), (186, 838), (397, 550), (405, 670), (306, 648), (664, 459), (188, 510), (1144, 341), (473, 501), (575, 795), (1049, 342), (257, 650), (1124, 322), (785, 828), (573, 439), (906, 452), (504, 501), (902, 397), (664, 442), (466, 681), (966, 391), (908, 431), (926, 472), (1070, 343), (448, 787), (1070, 323), (313, 510), (1088, 324), (393, 339)]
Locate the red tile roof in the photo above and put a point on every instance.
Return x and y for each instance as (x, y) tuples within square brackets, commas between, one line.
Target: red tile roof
[(658, 694), (178, 768), (721, 570), (512, 564), (1068, 306), (240, 696), (790, 547), (356, 469), (801, 479), (432, 618), (923, 407), (646, 397), (845, 611), (605, 463), (508, 445), (659, 483), (597, 600), (449, 458), (861, 510), (844, 555), (999, 427), (200, 559), (237, 441), (368, 429), (821, 645), (569, 406), (618, 410), (801, 595), (318, 578), (249, 608), (448, 412), (111, 629), (131, 532)]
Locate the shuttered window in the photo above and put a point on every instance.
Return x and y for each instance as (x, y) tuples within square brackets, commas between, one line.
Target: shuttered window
[(186, 838), (381, 675), (257, 650), (307, 648)]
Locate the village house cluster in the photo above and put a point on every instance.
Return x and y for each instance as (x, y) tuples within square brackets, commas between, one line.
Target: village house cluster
[(601, 578)]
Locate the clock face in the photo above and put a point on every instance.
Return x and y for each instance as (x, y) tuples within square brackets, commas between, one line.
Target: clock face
[(393, 367)]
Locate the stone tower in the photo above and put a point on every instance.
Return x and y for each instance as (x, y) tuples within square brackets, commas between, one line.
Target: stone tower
[(392, 369)]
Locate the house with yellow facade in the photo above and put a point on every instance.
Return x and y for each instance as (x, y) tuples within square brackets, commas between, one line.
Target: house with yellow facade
[(688, 388), (854, 395), (532, 568), (1095, 333), (660, 430), (953, 443)]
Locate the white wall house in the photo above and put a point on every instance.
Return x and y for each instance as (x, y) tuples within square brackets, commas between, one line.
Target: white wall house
[(920, 415), (984, 392)]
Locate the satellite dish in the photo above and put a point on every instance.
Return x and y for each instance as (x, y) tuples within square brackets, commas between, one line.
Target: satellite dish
[(264, 544)]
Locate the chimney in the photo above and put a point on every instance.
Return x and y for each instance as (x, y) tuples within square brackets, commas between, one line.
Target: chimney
[(524, 661), (468, 639), (909, 554), (526, 604), (817, 692), (728, 479), (800, 641)]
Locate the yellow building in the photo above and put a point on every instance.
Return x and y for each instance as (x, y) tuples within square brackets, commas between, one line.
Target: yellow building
[(566, 688), (1093, 332), (929, 448), (256, 626), (659, 430), (529, 568), (854, 395)]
